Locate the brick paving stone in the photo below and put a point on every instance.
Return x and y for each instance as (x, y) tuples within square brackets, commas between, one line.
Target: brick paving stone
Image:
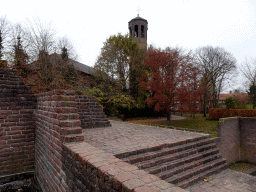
[(129, 168), (163, 185), (129, 186), (139, 172), (175, 189), (197, 190), (123, 137), (149, 178), (224, 190), (146, 189), (226, 181)]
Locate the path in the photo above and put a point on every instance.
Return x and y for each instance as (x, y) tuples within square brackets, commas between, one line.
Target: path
[(226, 181), (125, 137)]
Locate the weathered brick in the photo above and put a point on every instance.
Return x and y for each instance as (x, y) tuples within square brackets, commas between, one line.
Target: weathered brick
[(129, 186), (147, 189)]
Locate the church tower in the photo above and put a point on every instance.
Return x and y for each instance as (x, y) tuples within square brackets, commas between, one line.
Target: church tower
[(138, 30)]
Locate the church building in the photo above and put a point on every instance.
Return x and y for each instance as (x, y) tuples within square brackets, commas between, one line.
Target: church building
[(138, 30)]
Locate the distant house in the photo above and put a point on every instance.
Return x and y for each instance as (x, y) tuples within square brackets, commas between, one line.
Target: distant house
[(84, 69), (223, 97)]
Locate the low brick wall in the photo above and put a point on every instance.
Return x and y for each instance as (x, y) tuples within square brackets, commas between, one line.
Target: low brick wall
[(57, 122), (228, 131), (65, 163), (17, 124), (91, 113), (90, 169), (248, 139), (43, 134), (237, 139)]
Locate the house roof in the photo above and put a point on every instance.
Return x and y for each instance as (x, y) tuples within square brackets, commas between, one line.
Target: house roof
[(83, 68), (79, 66), (224, 96)]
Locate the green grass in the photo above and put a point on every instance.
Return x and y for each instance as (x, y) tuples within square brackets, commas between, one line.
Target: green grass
[(198, 123), (241, 166), (189, 114)]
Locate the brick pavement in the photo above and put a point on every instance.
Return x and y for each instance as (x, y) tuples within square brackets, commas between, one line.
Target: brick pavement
[(126, 137), (226, 181)]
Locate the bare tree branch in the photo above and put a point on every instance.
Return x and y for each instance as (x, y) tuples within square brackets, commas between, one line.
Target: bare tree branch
[(41, 37), (4, 29), (64, 42), (217, 65)]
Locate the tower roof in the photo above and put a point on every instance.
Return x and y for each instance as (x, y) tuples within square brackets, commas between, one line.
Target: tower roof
[(138, 18)]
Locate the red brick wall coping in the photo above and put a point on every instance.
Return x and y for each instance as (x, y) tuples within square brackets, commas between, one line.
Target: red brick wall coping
[(106, 172)]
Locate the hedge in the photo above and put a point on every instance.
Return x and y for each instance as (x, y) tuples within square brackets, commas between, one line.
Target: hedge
[(222, 113)]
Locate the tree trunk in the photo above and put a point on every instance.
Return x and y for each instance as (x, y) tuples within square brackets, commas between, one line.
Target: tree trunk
[(204, 105), (169, 116)]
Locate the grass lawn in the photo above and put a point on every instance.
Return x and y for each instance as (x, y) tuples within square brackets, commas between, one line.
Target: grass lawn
[(198, 123), (241, 166)]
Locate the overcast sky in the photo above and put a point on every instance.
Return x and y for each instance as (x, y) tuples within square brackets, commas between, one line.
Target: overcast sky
[(189, 24)]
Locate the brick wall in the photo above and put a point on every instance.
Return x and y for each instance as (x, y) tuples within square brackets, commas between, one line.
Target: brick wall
[(43, 134), (91, 113), (57, 122), (248, 139), (237, 139), (229, 132), (65, 163), (17, 124), (89, 169)]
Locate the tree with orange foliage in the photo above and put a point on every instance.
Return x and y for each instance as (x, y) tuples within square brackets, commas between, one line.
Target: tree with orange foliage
[(190, 90), (171, 79)]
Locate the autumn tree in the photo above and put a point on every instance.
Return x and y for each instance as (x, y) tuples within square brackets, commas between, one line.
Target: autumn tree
[(117, 60), (66, 68), (118, 69), (218, 66), (168, 79), (51, 58), (190, 90)]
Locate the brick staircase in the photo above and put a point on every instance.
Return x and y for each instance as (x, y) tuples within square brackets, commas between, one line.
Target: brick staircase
[(91, 113), (182, 163)]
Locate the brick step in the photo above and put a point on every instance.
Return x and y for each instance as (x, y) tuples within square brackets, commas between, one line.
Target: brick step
[(182, 163), (206, 147), (179, 162), (125, 157), (196, 172), (163, 159), (186, 183), (174, 156), (165, 151), (183, 166)]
